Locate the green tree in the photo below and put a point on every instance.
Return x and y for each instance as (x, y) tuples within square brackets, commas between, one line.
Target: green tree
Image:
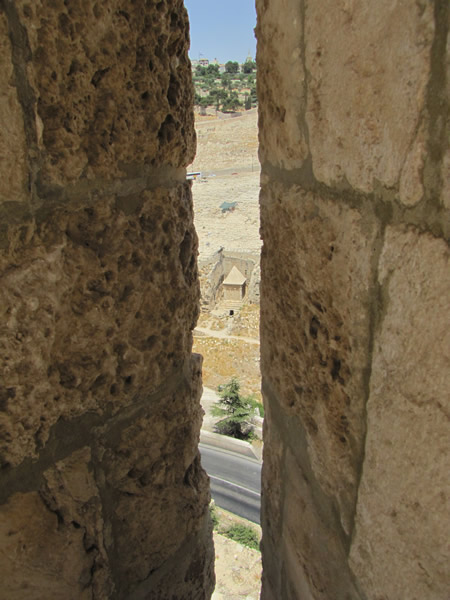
[(226, 80), (200, 71), (236, 411), (217, 97), (212, 70), (203, 103), (248, 67), (232, 103), (232, 67)]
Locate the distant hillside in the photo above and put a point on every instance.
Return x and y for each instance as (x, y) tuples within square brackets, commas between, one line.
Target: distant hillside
[(227, 88), (224, 142)]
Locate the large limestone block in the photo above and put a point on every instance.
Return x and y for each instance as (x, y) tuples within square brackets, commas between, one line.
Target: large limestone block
[(314, 556), (445, 169), (272, 497), (281, 83), (315, 323), (303, 545), (400, 547), (41, 557), (368, 66), (99, 302), (445, 175), (112, 86), (158, 491), (13, 177), (71, 492)]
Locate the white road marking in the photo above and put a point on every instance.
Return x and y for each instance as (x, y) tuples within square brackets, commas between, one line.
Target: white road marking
[(235, 485)]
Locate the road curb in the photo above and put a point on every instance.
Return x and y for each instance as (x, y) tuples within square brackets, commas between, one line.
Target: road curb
[(227, 443)]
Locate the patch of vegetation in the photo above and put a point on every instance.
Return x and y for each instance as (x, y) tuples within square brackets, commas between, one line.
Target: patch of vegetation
[(236, 410), (243, 534), (258, 407), (228, 91), (233, 527)]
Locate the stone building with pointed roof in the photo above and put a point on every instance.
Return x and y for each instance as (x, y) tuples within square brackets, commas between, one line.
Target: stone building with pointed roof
[(234, 285)]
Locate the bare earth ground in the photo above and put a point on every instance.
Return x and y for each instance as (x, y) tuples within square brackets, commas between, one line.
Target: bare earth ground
[(224, 143), (237, 230), (227, 158), (238, 571), (224, 358)]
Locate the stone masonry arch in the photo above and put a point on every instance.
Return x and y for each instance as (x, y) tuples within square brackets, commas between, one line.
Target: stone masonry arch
[(102, 495)]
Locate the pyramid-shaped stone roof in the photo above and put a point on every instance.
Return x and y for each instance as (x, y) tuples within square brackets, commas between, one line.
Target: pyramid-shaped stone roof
[(234, 277)]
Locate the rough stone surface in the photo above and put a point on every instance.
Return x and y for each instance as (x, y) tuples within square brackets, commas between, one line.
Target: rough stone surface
[(445, 169), (72, 494), (40, 556), (110, 86), (367, 79), (411, 184), (298, 539), (254, 285), (306, 540), (401, 544), (101, 492), (12, 135), (102, 495), (445, 176), (160, 489), (354, 298), (319, 253), (96, 313), (271, 503), (281, 99)]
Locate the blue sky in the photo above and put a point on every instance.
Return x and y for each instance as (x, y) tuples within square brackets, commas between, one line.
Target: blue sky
[(222, 29)]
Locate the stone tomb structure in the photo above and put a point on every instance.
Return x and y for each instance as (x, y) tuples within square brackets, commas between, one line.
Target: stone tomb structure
[(234, 286), (215, 269), (102, 493)]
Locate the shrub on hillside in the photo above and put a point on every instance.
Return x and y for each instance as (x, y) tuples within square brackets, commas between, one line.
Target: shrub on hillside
[(244, 534)]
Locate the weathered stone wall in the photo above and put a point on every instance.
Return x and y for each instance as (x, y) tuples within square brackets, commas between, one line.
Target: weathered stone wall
[(101, 490), (354, 130)]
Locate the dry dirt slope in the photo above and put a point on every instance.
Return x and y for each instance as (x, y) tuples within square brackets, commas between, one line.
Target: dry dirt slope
[(226, 143), (227, 156)]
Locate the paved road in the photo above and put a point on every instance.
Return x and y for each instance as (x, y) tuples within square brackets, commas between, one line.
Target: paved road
[(235, 481)]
